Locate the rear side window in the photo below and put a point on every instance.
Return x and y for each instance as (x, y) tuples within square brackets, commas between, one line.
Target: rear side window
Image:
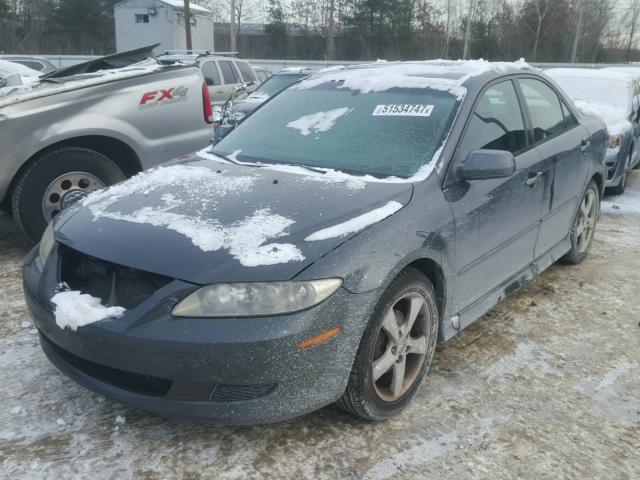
[(228, 72), (245, 70), (496, 122), (31, 64), (544, 107), (210, 73)]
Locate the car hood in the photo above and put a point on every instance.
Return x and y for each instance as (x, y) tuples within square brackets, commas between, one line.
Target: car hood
[(208, 220)]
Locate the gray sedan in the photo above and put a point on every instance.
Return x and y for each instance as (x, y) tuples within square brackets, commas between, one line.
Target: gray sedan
[(319, 252)]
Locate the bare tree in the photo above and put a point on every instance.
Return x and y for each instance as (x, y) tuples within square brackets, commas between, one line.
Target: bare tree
[(541, 8)]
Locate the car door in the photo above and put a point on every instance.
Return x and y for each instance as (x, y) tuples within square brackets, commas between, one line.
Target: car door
[(561, 140), (230, 77), (496, 220), (212, 78)]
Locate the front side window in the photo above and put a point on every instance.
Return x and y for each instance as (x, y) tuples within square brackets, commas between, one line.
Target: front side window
[(383, 133), (142, 18), (496, 123), (210, 73), (228, 72), (569, 120), (544, 108), (245, 70)]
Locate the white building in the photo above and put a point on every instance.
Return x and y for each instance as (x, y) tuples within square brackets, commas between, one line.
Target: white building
[(144, 22)]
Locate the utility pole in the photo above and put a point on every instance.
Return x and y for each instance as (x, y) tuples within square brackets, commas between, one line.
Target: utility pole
[(467, 32), (331, 41), (576, 39), (187, 23), (232, 27)]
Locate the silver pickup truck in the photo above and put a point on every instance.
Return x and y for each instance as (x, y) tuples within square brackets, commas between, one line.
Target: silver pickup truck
[(73, 133)]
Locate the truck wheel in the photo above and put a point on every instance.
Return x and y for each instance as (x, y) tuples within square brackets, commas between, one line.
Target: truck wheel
[(56, 180), (395, 351), (584, 225)]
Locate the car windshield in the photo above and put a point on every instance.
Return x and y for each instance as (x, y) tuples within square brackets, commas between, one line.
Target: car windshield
[(386, 133), (610, 91), (277, 83)]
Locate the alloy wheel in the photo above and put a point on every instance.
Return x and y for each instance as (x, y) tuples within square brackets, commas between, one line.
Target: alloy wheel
[(401, 346), (66, 190), (586, 220)]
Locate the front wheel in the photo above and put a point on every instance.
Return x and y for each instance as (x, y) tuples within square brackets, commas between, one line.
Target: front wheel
[(619, 189), (395, 351), (584, 225), (56, 180)]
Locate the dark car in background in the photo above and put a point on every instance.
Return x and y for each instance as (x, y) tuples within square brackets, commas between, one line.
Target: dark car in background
[(319, 251)]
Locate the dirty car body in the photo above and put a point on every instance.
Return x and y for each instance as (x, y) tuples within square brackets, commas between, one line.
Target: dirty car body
[(246, 213)]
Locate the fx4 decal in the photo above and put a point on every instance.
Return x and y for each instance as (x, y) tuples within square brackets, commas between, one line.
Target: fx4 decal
[(163, 96)]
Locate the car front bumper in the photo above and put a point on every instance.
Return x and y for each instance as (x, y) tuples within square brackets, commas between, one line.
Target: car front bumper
[(227, 371)]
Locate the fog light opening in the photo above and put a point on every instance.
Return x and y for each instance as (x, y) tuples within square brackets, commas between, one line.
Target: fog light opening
[(324, 337)]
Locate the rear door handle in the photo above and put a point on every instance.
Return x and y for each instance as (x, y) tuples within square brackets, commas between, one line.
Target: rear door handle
[(533, 178), (585, 146)]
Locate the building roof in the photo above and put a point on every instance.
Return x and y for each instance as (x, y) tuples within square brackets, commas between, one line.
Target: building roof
[(180, 4)]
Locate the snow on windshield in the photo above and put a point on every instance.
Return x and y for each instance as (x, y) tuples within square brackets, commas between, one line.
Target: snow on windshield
[(357, 223), (318, 122), (75, 309), (249, 240), (598, 92)]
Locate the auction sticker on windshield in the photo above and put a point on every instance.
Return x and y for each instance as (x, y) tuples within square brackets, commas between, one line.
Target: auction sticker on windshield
[(403, 109)]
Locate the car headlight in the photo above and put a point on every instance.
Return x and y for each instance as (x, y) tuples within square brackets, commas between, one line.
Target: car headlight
[(255, 299), (615, 141), (46, 244)]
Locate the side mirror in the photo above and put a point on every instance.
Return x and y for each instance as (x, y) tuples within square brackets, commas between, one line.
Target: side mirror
[(251, 83), (487, 164)]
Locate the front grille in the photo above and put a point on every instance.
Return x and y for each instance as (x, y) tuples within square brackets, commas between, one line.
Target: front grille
[(235, 393), (133, 382), (112, 283)]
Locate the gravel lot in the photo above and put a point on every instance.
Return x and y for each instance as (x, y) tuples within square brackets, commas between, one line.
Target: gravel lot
[(544, 386)]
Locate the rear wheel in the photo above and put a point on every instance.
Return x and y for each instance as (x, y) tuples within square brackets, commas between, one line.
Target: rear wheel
[(55, 181), (584, 225), (395, 351)]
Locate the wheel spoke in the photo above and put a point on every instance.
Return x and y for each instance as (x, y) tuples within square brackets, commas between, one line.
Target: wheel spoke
[(589, 204), (417, 345), (383, 364), (397, 381), (390, 325), (415, 305)]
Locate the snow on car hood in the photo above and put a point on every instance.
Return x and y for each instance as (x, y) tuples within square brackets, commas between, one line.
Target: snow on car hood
[(207, 220), (615, 120)]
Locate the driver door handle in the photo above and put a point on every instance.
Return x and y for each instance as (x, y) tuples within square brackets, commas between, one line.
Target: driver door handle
[(533, 178)]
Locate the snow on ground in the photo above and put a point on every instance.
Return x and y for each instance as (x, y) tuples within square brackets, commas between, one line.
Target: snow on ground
[(357, 223), (543, 386), (318, 122), (628, 204), (76, 309)]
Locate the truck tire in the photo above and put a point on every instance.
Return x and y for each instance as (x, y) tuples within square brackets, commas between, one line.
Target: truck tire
[(395, 352), (54, 181)]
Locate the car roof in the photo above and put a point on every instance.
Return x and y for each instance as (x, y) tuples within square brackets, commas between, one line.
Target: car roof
[(441, 74), (632, 71)]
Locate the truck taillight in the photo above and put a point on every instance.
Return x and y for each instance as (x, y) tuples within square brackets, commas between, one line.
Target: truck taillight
[(207, 109)]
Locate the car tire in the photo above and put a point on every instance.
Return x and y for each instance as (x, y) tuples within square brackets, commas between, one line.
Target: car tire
[(582, 231), (619, 189), (385, 397), (55, 170)]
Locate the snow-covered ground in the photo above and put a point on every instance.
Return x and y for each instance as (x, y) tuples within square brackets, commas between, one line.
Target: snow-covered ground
[(544, 386)]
